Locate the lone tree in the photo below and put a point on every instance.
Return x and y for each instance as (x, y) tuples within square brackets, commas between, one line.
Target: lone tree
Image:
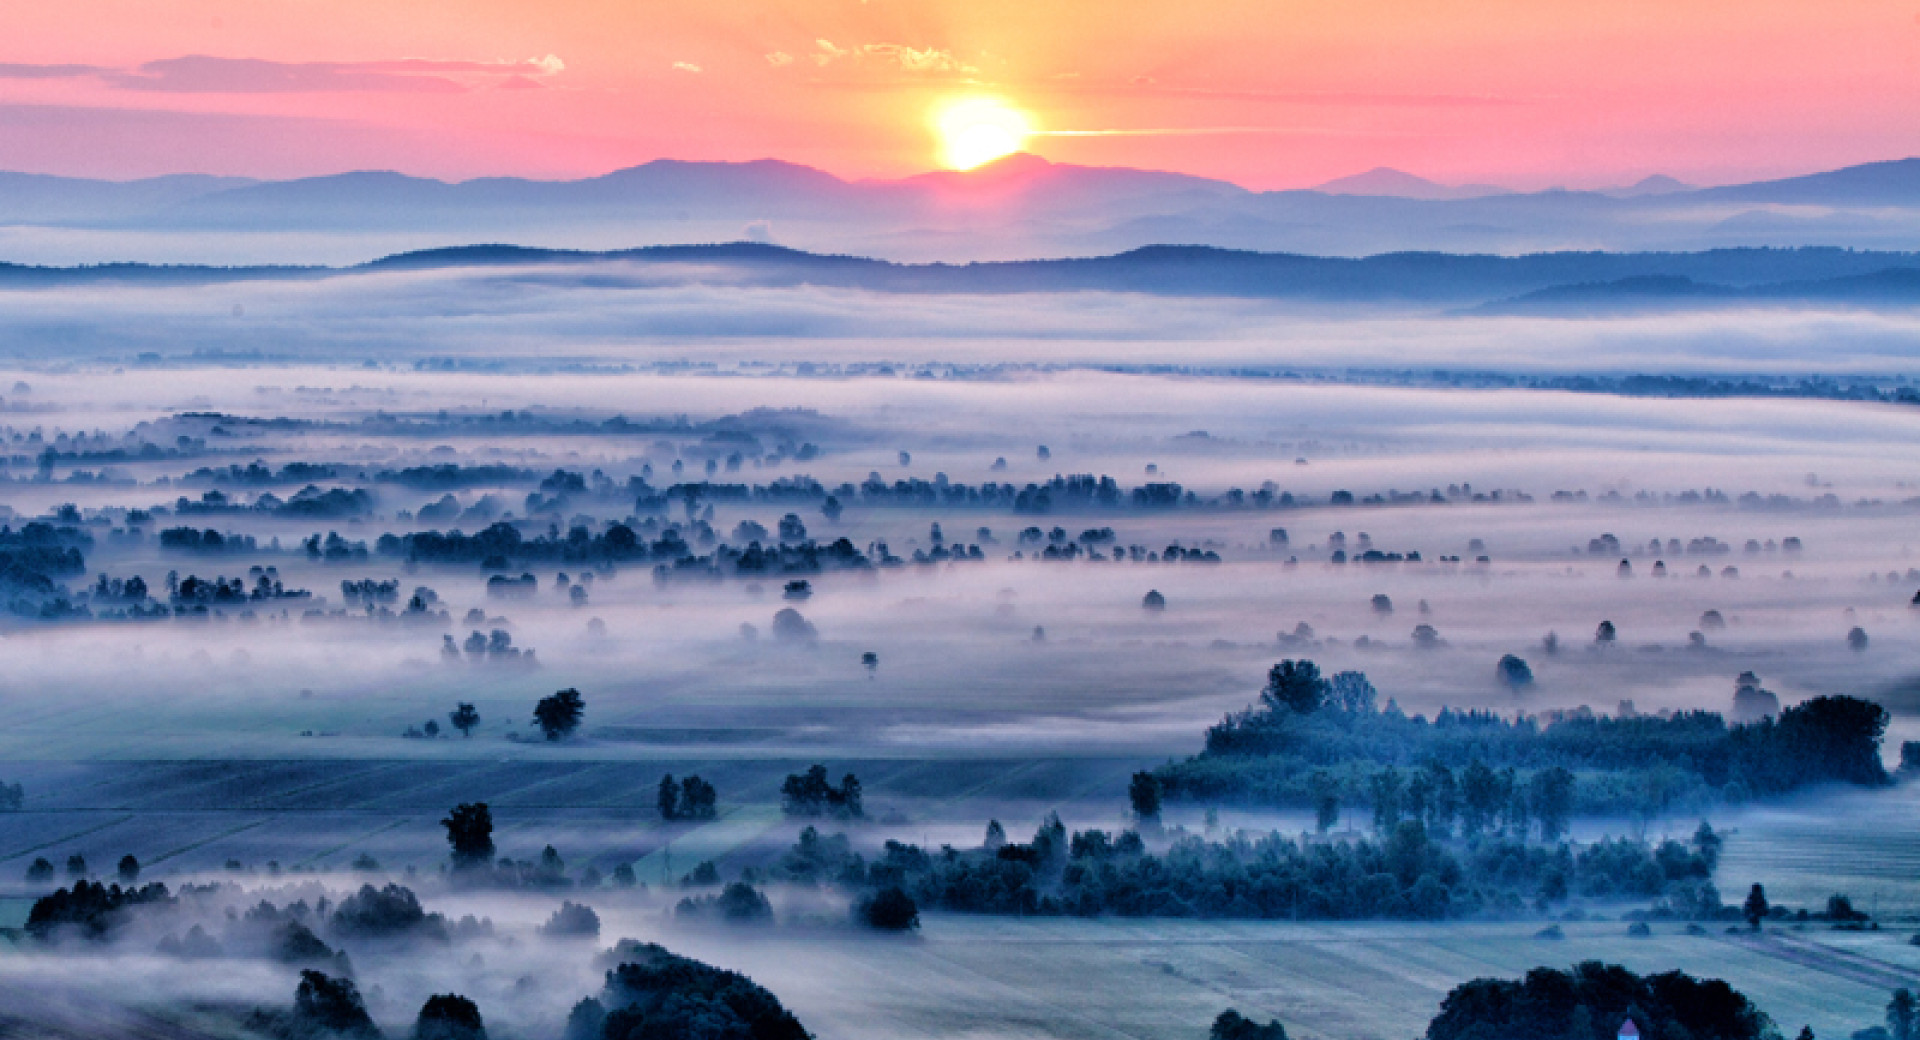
[(1514, 672), (470, 832), (1605, 634), (1144, 792), (449, 1016), (464, 718), (129, 869), (1756, 907), (559, 715)]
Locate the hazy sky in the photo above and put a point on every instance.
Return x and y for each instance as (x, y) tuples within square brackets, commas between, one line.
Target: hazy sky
[(1269, 93)]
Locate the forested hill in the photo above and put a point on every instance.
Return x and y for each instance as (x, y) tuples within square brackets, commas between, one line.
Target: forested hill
[(1531, 282)]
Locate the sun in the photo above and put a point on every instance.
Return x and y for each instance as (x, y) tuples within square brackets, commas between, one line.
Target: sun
[(975, 131)]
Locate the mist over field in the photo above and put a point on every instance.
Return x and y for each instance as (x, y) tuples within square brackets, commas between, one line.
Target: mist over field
[(1020, 557)]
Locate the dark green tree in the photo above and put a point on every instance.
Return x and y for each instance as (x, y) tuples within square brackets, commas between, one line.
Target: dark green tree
[(559, 715), (668, 798), (698, 799), (1385, 786), (449, 1016), (333, 1005), (1756, 907), (1295, 686), (892, 910), (1231, 1025), (1903, 1015), (1143, 791), (1550, 796), (470, 832), (1325, 792)]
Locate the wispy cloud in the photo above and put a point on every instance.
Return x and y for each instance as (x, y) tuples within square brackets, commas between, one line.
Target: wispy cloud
[(685, 66), (201, 74), (15, 70), (911, 59), (205, 74), (1147, 86)]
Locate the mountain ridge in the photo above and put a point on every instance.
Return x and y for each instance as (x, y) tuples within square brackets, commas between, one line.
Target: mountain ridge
[(1480, 283)]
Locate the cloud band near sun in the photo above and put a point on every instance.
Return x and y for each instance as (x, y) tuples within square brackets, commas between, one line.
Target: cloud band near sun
[(206, 74)]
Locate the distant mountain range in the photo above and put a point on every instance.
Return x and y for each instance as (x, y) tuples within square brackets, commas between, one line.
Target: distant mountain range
[(1546, 283), (1019, 207)]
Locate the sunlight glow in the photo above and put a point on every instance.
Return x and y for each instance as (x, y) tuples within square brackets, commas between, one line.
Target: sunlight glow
[(976, 131)]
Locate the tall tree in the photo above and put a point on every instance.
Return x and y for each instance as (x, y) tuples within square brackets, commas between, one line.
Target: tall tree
[(1756, 907), (1385, 787), (470, 832), (1550, 796), (1903, 1015), (668, 798), (1144, 792), (1326, 800)]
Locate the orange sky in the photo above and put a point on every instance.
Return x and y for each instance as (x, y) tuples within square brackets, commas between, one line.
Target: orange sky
[(1268, 93)]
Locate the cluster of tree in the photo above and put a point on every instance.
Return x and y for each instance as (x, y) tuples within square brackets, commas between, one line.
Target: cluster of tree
[(386, 913), (282, 935), (810, 794), (496, 646), (324, 1007), (310, 502), (120, 590), (1080, 492), (572, 921), (1595, 999), (1322, 741), (258, 474), (737, 903), (690, 799), (469, 829), (1406, 875), (447, 476), (89, 909), (1231, 1025), (501, 544), (209, 541), (656, 993), (34, 561), (193, 593), (370, 591), (333, 548)]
